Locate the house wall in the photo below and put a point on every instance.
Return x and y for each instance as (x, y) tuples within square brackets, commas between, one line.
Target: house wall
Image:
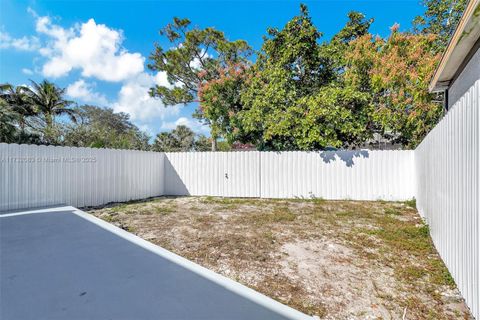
[(466, 79), (448, 192), (37, 176)]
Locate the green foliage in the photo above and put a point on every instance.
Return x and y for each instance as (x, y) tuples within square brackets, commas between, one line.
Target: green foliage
[(202, 143), (195, 56), (411, 203), (301, 94), (441, 17), (27, 115), (48, 102), (180, 139), (103, 128), (295, 99), (396, 73), (334, 52), (8, 119), (220, 102)]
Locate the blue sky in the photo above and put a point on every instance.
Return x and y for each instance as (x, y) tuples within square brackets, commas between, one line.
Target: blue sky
[(98, 50)]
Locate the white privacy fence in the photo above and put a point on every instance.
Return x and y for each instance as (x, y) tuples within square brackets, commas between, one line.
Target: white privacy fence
[(35, 176), (448, 192), (358, 175)]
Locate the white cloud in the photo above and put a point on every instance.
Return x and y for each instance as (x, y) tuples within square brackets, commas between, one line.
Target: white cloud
[(193, 124), (23, 44), (85, 92), (96, 51), (135, 100), (27, 71), (93, 48)]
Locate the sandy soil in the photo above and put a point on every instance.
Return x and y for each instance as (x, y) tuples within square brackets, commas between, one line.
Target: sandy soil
[(332, 259)]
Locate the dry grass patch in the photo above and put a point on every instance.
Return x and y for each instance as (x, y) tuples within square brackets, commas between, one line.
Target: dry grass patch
[(333, 259)]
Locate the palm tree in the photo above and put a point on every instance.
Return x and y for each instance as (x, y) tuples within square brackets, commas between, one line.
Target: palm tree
[(17, 99), (8, 118), (48, 100)]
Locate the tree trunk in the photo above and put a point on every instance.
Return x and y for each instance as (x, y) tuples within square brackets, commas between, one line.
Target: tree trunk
[(49, 121), (214, 143)]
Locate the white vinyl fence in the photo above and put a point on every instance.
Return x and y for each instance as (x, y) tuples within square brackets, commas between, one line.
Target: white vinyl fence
[(36, 176), (356, 175), (448, 192)]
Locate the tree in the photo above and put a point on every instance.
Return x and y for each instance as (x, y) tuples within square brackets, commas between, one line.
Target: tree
[(48, 100), (396, 72), (441, 17), (203, 143), (335, 51), (8, 119), (17, 98), (182, 138), (18, 117), (220, 102), (185, 137), (196, 55), (103, 128), (295, 98)]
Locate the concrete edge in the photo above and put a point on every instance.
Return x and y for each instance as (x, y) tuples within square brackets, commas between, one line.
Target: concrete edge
[(5, 214)]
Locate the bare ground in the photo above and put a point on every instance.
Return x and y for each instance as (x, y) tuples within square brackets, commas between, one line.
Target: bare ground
[(332, 259)]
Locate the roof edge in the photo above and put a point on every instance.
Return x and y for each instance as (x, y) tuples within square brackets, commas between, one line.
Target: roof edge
[(468, 32)]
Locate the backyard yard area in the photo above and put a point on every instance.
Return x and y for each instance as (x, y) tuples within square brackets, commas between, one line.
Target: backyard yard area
[(332, 259)]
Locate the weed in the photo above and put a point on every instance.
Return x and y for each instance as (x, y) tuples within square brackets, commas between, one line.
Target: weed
[(165, 210), (411, 203), (392, 211), (111, 218), (119, 208)]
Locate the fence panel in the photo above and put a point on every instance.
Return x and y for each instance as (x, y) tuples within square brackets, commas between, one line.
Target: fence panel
[(356, 175), (37, 176), (448, 175), (225, 174)]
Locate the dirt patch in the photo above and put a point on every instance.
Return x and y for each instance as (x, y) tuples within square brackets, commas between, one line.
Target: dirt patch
[(332, 259)]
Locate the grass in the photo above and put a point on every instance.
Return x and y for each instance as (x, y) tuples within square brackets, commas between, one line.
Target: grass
[(277, 215), (411, 203)]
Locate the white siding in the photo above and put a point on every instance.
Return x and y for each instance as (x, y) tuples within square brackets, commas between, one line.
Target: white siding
[(36, 176), (448, 175)]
